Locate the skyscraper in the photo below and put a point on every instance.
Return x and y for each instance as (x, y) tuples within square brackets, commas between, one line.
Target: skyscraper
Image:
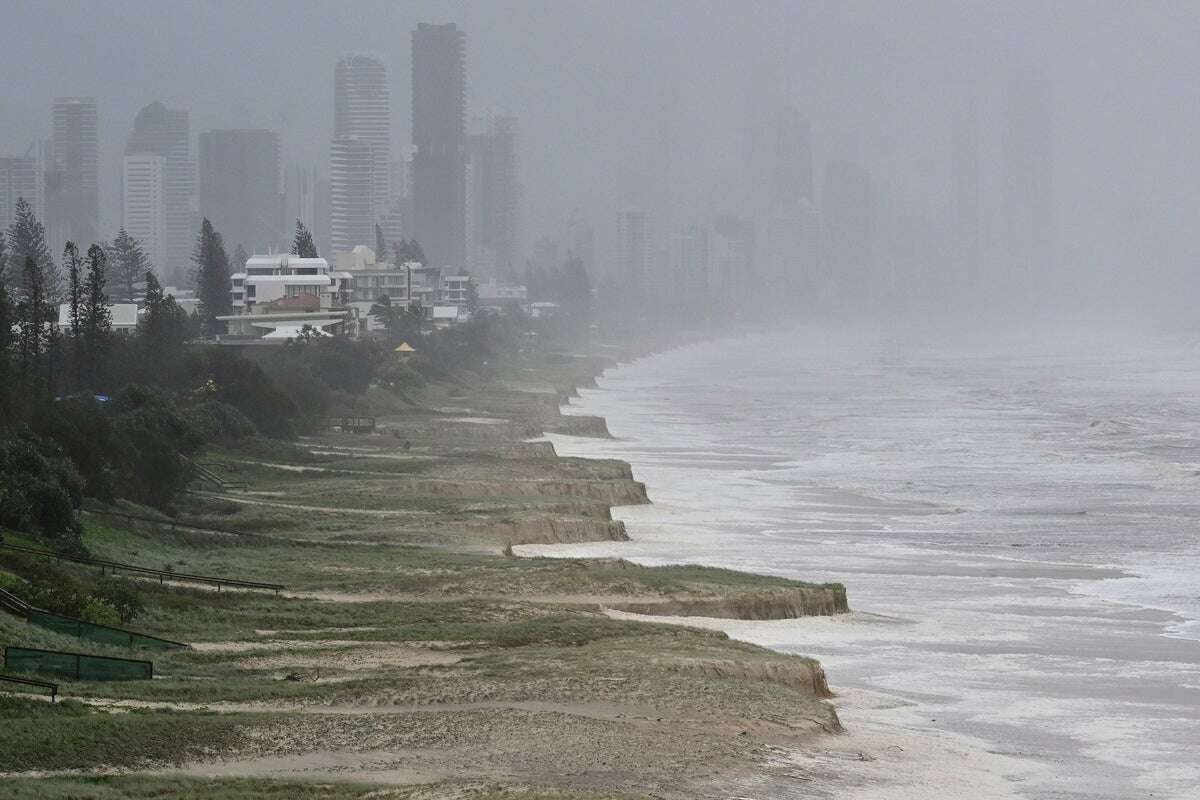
[(20, 177), (352, 176), (241, 188), (493, 192), (439, 86), (362, 110), (73, 174), (633, 251), (166, 132), (144, 208)]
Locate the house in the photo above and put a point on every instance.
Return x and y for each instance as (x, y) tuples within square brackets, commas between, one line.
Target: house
[(277, 296), (124, 316)]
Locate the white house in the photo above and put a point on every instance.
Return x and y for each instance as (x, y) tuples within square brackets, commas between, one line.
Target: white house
[(124, 316), (278, 295)]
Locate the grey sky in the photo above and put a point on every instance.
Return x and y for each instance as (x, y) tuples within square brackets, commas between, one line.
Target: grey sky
[(884, 80)]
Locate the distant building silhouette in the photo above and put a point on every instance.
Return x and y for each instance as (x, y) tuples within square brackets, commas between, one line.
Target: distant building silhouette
[(73, 174), (166, 132), (633, 251), (849, 214), (21, 177), (241, 188), (144, 207), (360, 151), (439, 87), (493, 198)]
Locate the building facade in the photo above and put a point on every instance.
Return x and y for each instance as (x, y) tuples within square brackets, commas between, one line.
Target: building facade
[(241, 189), (143, 204), (20, 177), (276, 296), (493, 197), (166, 132), (439, 86), (73, 174), (362, 110)]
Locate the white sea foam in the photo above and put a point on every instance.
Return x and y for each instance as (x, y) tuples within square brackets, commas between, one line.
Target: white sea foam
[(1030, 519)]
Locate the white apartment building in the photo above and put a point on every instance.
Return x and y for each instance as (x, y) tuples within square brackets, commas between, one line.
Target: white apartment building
[(276, 296), (143, 205)]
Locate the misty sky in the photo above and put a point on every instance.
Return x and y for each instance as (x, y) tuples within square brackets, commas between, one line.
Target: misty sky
[(883, 82)]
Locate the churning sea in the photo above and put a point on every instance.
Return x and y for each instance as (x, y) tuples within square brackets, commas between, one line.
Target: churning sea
[(1017, 524)]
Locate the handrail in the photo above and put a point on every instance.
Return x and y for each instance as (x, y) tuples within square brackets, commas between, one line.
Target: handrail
[(162, 574), (53, 687), (13, 604)]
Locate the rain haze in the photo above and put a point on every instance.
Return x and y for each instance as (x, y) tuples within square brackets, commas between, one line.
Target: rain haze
[(587, 399)]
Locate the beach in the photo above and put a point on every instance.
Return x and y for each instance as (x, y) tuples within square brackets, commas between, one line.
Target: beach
[(1014, 529)]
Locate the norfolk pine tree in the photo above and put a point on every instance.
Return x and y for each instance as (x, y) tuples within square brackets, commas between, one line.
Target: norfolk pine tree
[(302, 244), (212, 279), (129, 263)]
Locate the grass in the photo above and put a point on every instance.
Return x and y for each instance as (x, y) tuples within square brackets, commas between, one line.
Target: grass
[(167, 787), (70, 735)]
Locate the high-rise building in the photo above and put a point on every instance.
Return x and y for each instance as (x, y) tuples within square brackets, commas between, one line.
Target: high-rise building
[(144, 208), (241, 189), (580, 240), (352, 175), (633, 251), (493, 198), (439, 86), (73, 174), (300, 188), (362, 110), (166, 132), (20, 177)]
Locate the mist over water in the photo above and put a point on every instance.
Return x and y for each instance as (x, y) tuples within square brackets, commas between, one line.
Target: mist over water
[(1022, 515)]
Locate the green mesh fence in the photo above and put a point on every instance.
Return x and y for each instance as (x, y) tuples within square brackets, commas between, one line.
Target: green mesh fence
[(104, 634), (79, 666)]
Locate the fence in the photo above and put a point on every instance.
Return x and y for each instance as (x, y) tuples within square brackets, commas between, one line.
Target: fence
[(79, 666), (351, 424), (162, 574), (104, 634), (51, 687)]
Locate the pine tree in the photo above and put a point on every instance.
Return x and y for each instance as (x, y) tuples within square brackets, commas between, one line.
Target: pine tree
[(409, 250), (31, 313), (96, 318), (7, 320), (74, 264), (212, 279), (27, 239), (240, 257), (302, 244), (129, 264), (380, 247)]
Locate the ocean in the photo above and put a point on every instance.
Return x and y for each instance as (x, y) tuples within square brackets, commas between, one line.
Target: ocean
[(1016, 524)]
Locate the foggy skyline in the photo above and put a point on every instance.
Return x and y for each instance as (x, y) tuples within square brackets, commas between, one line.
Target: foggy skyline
[(883, 85)]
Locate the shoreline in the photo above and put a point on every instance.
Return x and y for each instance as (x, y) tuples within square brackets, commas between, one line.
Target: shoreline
[(896, 756)]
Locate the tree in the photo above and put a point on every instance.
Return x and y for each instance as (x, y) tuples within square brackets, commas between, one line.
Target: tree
[(7, 320), (75, 298), (96, 317), (409, 250), (380, 247), (163, 332), (27, 239), (212, 279), (31, 315), (129, 263), (240, 257), (302, 244)]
